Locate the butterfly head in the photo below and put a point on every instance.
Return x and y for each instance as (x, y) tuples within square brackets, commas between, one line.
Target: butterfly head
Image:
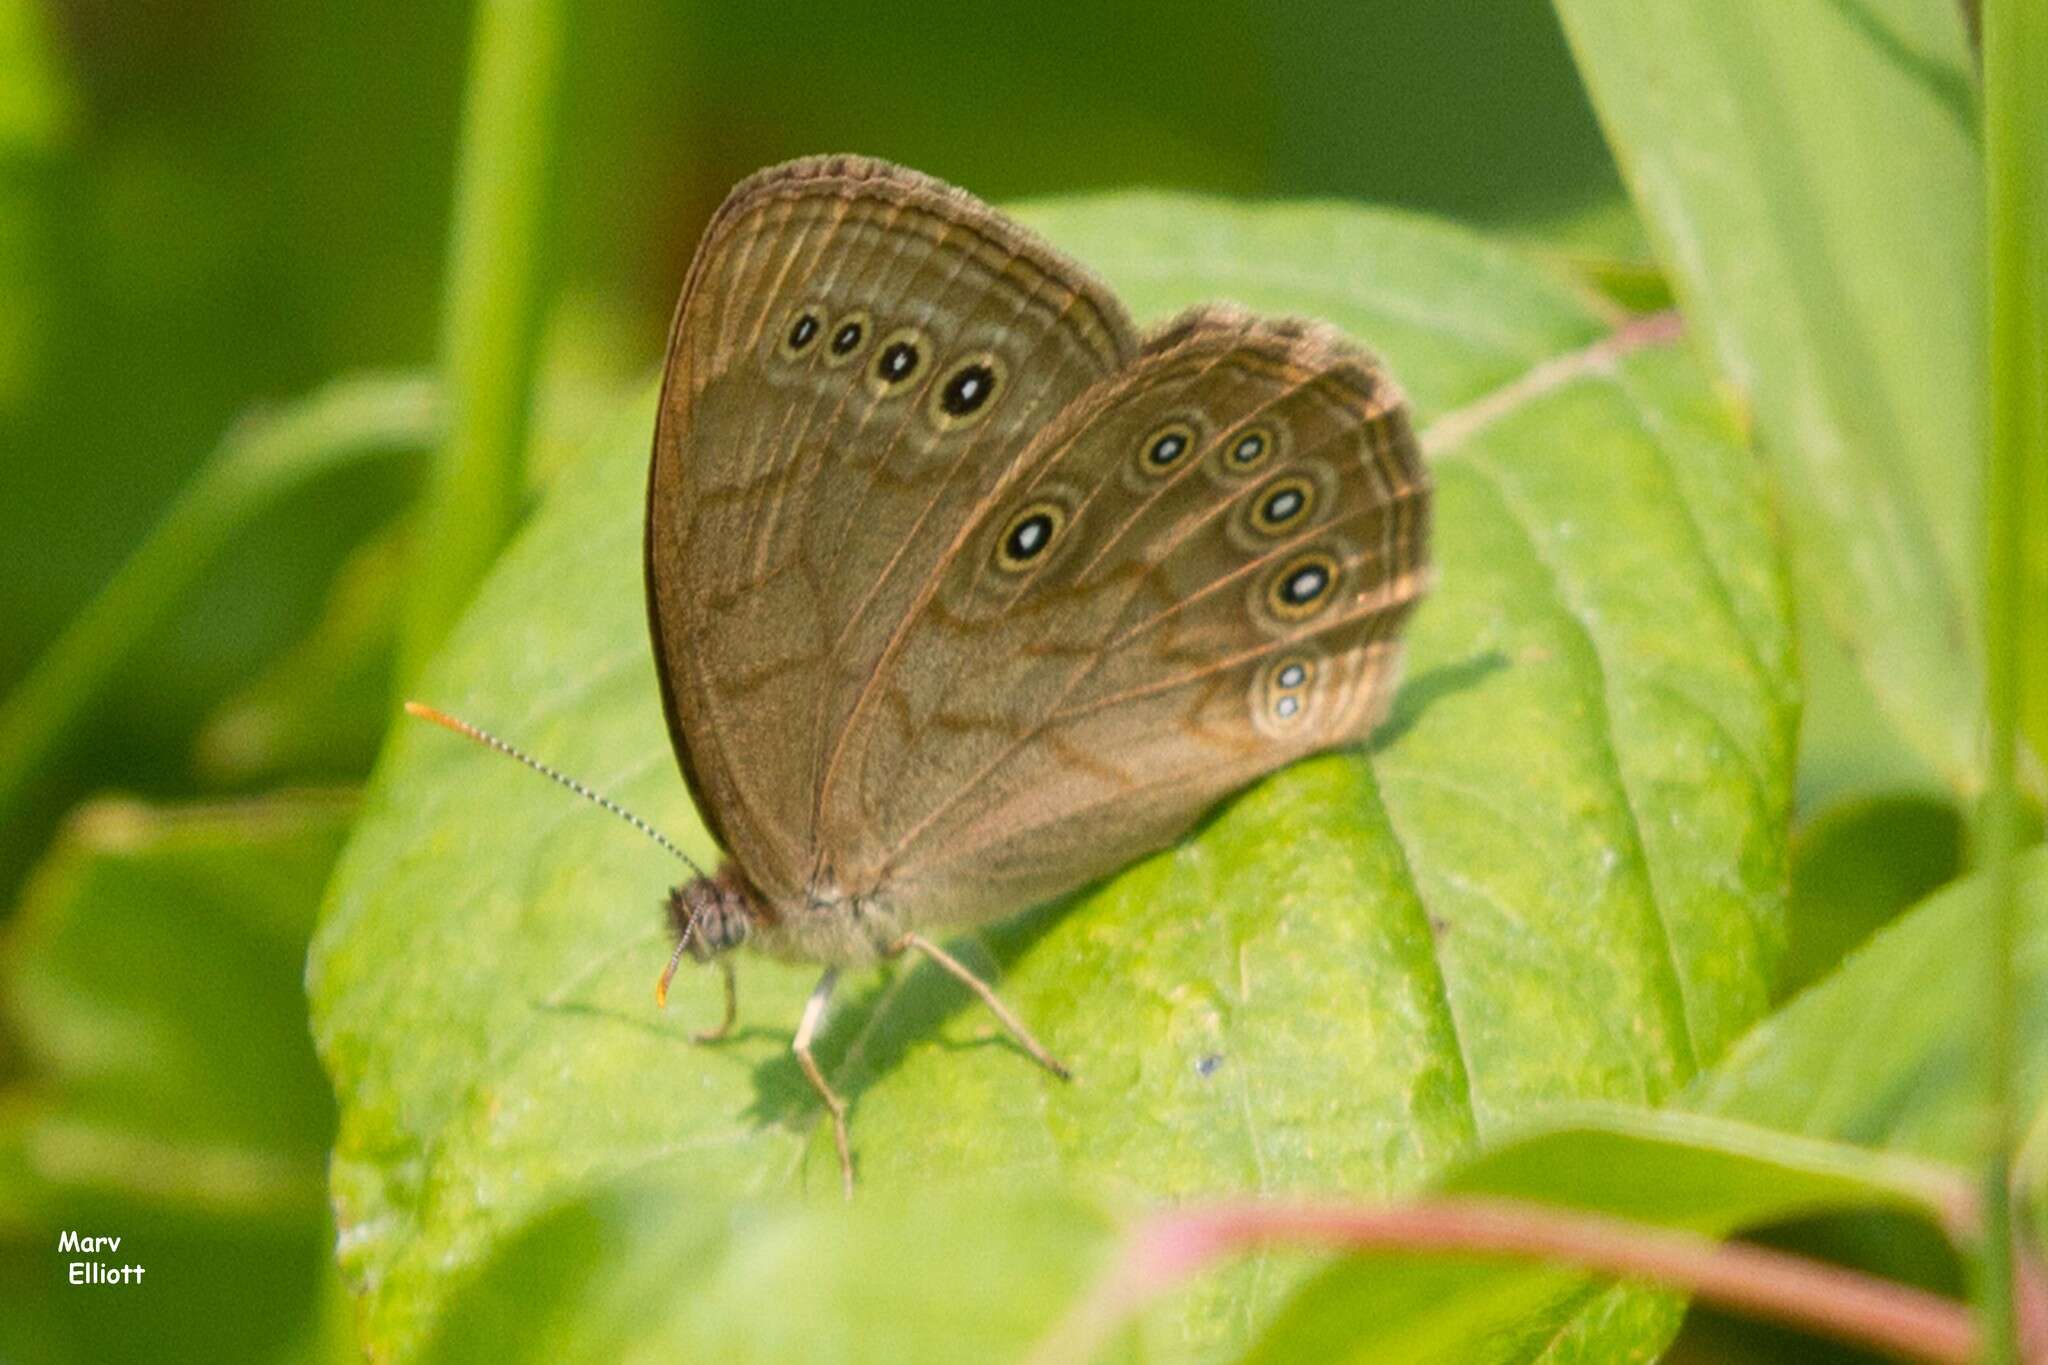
[(711, 915)]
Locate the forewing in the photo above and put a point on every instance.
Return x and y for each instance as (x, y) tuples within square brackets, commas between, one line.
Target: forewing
[(859, 355)]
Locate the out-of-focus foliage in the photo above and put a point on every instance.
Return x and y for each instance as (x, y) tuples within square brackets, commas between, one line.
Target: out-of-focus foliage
[(168, 1093), (1812, 178)]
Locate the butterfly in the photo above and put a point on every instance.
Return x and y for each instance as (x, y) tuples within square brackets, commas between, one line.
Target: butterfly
[(964, 592)]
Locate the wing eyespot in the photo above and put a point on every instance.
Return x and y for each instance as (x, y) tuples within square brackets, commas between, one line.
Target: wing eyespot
[(1166, 448), (900, 358), (1249, 449), (968, 391), (1302, 586), (847, 337), (1283, 693), (800, 335), (1029, 536), (1283, 505)]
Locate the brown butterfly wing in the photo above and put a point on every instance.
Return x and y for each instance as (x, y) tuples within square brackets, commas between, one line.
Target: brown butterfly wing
[(1193, 615), (799, 493)]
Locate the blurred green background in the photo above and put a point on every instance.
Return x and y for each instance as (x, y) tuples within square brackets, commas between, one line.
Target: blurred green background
[(211, 207)]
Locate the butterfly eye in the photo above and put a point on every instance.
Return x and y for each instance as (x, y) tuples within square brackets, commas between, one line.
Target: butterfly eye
[(848, 334), (1303, 586), (1165, 448), (966, 392), (898, 360), (1249, 449), (1029, 535), (804, 327), (1283, 504)]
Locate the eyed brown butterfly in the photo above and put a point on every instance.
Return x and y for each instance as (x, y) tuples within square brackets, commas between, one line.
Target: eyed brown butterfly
[(964, 592)]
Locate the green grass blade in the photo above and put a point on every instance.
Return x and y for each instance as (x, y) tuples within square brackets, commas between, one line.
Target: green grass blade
[(495, 307), (2016, 157)]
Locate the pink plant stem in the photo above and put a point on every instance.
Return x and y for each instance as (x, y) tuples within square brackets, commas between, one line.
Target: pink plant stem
[(1752, 1280), (1453, 428), (2030, 1292)]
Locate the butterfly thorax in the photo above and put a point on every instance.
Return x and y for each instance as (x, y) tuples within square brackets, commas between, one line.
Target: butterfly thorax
[(713, 915)]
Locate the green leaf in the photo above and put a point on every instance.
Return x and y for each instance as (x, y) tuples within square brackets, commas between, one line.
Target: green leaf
[(168, 1092), (1878, 1054), (664, 1269), (1812, 181), (1665, 1169), (1603, 243), (1889, 1051), (1556, 876), (1885, 1052), (1857, 865)]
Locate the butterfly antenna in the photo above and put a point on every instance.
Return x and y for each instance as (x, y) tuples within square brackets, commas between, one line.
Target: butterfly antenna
[(675, 960), (491, 741)]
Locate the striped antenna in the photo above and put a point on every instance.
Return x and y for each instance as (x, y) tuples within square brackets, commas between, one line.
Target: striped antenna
[(491, 741)]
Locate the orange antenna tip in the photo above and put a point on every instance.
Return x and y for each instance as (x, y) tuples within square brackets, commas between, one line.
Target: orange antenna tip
[(440, 718), (668, 974)]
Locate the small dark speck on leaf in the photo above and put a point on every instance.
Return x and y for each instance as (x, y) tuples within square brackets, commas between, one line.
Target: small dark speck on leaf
[(1208, 1064), (1439, 926)]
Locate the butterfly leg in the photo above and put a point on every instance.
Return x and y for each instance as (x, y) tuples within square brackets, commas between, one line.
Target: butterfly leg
[(807, 1029), (732, 1006), (967, 978)]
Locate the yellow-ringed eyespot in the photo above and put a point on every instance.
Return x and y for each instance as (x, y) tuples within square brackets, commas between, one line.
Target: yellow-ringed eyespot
[(1165, 448), (1249, 448), (966, 391), (800, 336), (1283, 505), (847, 335), (1029, 534), (900, 359), (1280, 694), (1303, 586)]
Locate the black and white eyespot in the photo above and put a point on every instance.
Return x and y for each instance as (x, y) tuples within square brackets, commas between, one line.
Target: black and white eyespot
[(1302, 586), (1283, 505), (800, 335), (1283, 694), (846, 336), (1166, 448), (1029, 535), (901, 358), (1249, 448), (967, 390)]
